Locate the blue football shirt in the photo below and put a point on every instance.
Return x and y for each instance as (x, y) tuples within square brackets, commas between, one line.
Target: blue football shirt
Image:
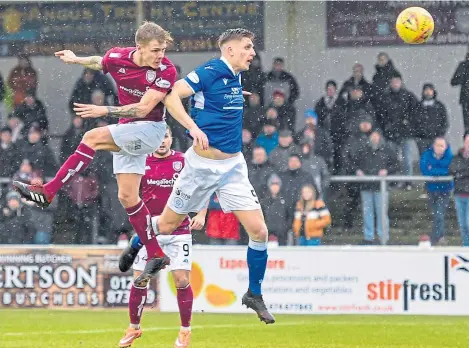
[(217, 104)]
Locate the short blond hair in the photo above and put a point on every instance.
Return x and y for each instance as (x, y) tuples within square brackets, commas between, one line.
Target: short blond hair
[(234, 34), (149, 31)]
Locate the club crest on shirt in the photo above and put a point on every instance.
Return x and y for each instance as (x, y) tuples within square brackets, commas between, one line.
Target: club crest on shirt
[(177, 165), (151, 75)]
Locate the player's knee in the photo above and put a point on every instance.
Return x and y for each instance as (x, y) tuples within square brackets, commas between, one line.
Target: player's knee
[(128, 198), (260, 233), (89, 139), (181, 281)]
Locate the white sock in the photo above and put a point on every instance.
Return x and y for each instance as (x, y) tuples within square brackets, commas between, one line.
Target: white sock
[(135, 326), (154, 224), (186, 328)]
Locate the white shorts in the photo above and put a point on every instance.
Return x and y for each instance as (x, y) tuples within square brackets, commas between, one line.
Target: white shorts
[(201, 177), (177, 247), (136, 140)]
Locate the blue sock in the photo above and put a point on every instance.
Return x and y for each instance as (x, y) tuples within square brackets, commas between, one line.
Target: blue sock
[(135, 242), (257, 263)]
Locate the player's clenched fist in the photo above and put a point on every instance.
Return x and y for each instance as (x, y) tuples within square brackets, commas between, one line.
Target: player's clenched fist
[(66, 56)]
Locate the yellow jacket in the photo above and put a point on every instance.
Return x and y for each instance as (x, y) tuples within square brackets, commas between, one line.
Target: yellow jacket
[(317, 217)]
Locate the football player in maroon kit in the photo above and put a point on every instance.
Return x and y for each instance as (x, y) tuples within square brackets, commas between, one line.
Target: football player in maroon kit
[(143, 76), (161, 171)]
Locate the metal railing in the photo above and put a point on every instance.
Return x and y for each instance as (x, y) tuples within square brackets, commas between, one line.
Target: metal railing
[(383, 185)]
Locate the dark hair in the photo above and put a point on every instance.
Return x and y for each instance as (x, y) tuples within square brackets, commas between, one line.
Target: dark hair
[(331, 83), (234, 34), (396, 75), (6, 129), (279, 60)]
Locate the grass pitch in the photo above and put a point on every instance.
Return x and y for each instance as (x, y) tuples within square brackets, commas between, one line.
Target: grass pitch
[(22, 328)]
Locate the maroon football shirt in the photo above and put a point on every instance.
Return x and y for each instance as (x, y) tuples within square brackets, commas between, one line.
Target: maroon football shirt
[(133, 80), (157, 184)]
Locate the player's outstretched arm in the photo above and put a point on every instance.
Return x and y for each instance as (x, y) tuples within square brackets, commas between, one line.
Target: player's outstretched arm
[(137, 110), (92, 62), (174, 105)]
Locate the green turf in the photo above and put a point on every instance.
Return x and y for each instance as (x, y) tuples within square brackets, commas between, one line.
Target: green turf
[(103, 329)]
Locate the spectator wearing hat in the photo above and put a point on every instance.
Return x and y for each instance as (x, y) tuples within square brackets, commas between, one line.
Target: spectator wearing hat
[(32, 112), (268, 139), (381, 79), (357, 79), (280, 79), (430, 120), (286, 111), (15, 221), (396, 111), (260, 169), (279, 156), (436, 161), (292, 181), (459, 168), (316, 136), (375, 157), (275, 209), (311, 217), (9, 153)]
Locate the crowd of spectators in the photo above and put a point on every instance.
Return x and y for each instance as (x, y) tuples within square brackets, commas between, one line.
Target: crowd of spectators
[(357, 128)]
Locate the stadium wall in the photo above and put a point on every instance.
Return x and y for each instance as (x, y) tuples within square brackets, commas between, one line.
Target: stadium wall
[(296, 31)]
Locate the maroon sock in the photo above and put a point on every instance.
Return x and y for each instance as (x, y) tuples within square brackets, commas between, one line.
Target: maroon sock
[(185, 299), (76, 163), (137, 299), (140, 218)]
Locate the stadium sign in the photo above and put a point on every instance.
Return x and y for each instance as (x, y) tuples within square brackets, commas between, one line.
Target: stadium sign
[(64, 277), (333, 280)]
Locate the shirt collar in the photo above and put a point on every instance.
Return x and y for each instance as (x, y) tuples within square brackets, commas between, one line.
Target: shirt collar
[(224, 60)]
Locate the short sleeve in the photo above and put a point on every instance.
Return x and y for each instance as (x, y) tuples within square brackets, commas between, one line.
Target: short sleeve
[(199, 78), (166, 81), (105, 61)]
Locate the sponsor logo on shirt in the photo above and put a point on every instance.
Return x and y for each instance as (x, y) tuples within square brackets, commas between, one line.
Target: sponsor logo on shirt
[(162, 83), (134, 92)]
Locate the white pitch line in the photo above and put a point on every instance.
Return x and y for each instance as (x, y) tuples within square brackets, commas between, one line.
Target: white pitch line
[(168, 328)]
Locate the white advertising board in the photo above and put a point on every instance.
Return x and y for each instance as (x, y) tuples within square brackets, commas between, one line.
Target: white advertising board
[(332, 281)]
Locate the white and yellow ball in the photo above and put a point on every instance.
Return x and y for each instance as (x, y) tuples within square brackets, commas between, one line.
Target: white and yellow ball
[(415, 25)]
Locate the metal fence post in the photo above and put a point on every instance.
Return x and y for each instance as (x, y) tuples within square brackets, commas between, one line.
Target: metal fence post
[(383, 186)]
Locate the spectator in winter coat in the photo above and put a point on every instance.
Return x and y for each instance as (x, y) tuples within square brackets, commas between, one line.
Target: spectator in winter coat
[(376, 157), (317, 137), (357, 79), (16, 126), (431, 120), (317, 167), (222, 228), (275, 209), (459, 169), (40, 155), (22, 80), (435, 162), (254, 79), (396, 112), (327, 107), (280, 155), (32, 113), (311, 217), (10, 155), (15, 222), (72, 138), (286, 111), (260, 170), (461, 78), (253, 117), (268, 139), (292, 182), (382, 78), (278, 78)]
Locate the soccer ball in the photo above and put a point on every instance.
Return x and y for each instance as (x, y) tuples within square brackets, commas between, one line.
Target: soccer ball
[(415, 25)]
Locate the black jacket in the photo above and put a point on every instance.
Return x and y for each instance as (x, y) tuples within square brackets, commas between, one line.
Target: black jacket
[(371, 161), (40, 156), (16, 226), (459, 168), (10, 159), (430, 120), (259, 174), (382, 78), (396, 112), (282, 78), (30, 115), (461, 78), (276, 212), (364, 84), (292, 182)]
